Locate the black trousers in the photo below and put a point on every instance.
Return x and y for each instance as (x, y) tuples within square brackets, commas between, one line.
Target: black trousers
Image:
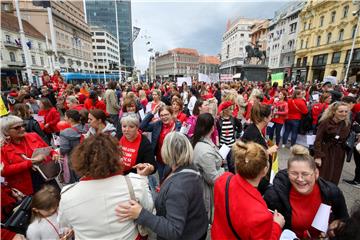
[(357, 165)]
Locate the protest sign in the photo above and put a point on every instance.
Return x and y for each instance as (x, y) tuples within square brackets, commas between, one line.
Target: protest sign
[(181, 80), (330, 79), (321, 220), (277, 77), (204, 78)]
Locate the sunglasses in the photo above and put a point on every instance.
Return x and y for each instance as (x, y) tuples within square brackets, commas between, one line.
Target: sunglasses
[(19, 127)]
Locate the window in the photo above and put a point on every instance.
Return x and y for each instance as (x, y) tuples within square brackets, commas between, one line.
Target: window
[(304, 27), (321, 21), (99, 34), (345, 11), (33, 59), (23, 58), (353, 31), (355, 57), (328, 39), (293, 27), (12, 57), (42, 61), (318, 41), (341, 34), (7, 38), (320, 60), (100, 47), (336, 57), (301, 44), (304, 62), (39, 46), (332, 17)]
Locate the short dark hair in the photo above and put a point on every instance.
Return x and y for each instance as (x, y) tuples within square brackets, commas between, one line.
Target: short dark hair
[(204, 123), (73, 114), (99, 114)]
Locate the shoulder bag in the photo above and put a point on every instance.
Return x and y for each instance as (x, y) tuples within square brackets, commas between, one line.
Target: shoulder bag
[(143, 232), (227, 207)]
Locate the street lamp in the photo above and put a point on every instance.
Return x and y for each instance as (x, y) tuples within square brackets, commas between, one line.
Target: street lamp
[(356, 13)]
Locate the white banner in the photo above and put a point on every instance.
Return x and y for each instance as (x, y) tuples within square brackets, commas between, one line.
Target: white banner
[(226, 77), (180, 81), (204, 78)]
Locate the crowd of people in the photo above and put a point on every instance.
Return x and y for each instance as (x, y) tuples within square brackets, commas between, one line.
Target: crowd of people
[(149, 161)]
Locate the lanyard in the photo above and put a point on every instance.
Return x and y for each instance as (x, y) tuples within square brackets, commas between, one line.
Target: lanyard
[(56, 230)]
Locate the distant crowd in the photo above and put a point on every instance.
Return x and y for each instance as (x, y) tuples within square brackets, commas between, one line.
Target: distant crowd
[(162, 161)]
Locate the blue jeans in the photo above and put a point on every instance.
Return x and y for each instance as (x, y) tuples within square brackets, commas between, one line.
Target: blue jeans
[(277, 128), (291, 126)]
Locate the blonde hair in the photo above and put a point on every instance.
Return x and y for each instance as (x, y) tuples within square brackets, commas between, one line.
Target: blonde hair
[(330, 112), (301, 154), (255, 93), (5, 124), (176, 150), (250, 159)]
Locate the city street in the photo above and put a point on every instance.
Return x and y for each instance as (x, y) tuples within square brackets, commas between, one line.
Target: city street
[(352, 194)]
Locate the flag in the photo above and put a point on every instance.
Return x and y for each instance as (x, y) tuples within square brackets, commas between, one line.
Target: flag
[(3, 110), (274, 167)]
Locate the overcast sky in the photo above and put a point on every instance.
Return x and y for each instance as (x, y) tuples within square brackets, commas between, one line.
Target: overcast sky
[(189, 24)]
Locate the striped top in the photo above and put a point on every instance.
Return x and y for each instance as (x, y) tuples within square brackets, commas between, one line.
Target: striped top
[(227, 133)]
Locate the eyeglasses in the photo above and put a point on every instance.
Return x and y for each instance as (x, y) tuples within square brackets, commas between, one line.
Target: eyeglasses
[(165, 115), (17, 128), (303, 175)]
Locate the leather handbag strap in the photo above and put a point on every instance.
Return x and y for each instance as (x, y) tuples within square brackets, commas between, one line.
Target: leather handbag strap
[(227, 207), (130, 187)]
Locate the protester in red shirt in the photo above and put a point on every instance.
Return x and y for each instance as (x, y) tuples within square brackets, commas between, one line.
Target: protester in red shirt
[(73, 103), (55, 77), (17, 147), (93, 102), (248, 214), (81, 97), (138, 156), (51, 116), (298, 192), (177, 107), (319, 108), (143, 98), (280, 111), (297, 107)]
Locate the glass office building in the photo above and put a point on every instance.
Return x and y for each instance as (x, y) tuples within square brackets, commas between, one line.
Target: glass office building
[(102, 14)]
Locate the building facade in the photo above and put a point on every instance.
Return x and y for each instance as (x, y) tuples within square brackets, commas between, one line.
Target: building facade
[(105, 50), (103, 14), (236, 37), (325, 39), (72, 38), (12, 56), (178, 62), (282, 37), (209, 64)]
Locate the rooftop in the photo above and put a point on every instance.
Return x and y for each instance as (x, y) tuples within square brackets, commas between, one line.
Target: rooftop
[(187, 51), (10, 22), (209, 60)]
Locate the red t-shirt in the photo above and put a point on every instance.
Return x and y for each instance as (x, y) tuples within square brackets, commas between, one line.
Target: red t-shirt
[(166, 128), (181, 117), (304, 209), (130, 152)]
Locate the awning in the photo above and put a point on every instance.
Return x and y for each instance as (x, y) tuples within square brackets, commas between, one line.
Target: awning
[(238, 75)]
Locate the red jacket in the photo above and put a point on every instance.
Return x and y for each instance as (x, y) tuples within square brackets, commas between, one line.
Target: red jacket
[(98, 105), (78, 107), (181, 117), (316, 110), (297, 107), (17, 170), (280, 112), (51, 117), (249, 214)]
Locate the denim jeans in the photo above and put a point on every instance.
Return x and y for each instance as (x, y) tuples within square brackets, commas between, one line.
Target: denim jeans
[(277, 129), (291, 126)]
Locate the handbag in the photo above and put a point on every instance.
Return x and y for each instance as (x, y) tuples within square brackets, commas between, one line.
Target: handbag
[(227, 207), (49, 170), (142, 230), (349, 143), (19, 221)]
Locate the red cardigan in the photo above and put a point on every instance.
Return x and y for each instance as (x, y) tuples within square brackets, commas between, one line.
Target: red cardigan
[(249, 214), (17, 170), (281, 112), (51, 117), (297, 107)]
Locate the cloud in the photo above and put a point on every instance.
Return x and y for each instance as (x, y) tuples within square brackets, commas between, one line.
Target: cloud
[(191, 24)]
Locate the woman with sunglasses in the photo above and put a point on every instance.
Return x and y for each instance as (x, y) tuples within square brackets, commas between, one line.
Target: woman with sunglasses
[(298, 192), (17, 148)]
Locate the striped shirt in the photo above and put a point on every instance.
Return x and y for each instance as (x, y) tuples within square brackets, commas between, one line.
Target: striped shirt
[(227, 133)]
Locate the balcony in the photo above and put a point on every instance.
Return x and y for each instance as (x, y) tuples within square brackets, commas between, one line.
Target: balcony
[(12, 45), (16, 64), (286, 50)]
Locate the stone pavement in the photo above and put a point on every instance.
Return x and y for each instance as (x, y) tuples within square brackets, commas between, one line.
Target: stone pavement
[(352, 194)]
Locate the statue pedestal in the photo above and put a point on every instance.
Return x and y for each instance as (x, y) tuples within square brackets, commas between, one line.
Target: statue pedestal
[(253, 72)]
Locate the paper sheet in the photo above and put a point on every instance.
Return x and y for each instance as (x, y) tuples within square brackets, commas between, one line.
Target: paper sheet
[(321, 220), (288, 235), (224, 151), (184, 129), (142, 114), (44, 151)]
